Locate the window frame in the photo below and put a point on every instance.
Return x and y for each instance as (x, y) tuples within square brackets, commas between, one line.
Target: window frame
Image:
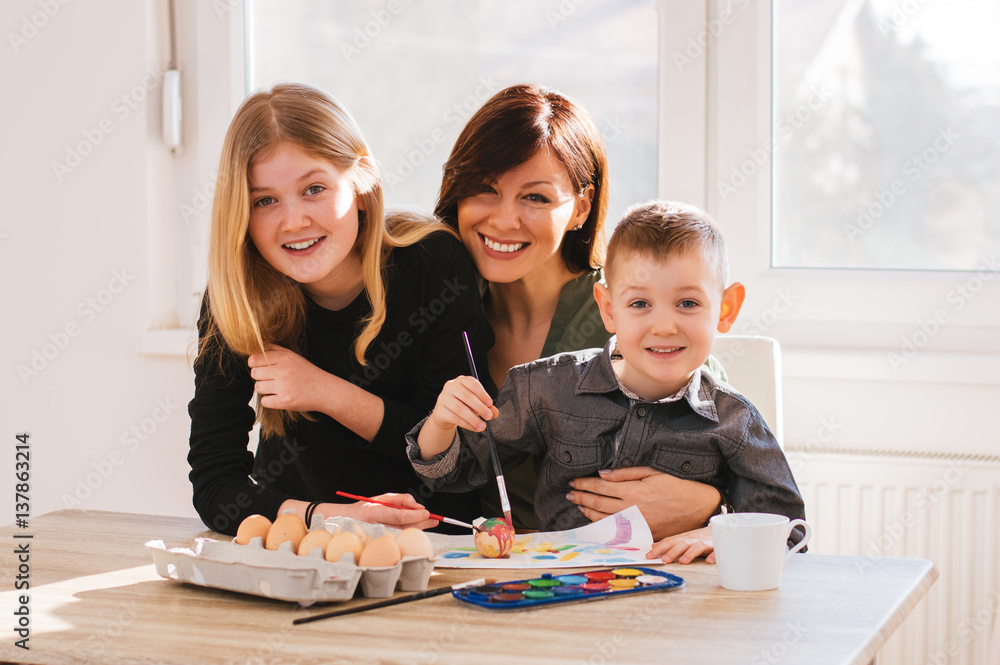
[(210, 56)]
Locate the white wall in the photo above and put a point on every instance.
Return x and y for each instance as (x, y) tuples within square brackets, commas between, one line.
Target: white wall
[(80, 235)]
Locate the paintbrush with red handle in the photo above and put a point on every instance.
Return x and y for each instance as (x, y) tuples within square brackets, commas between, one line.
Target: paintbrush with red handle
[(439, 518)]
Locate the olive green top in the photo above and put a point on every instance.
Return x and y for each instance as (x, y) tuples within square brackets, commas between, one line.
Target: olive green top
[(577, 323)]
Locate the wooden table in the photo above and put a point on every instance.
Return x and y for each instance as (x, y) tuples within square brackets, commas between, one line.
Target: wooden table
[(96, 598)]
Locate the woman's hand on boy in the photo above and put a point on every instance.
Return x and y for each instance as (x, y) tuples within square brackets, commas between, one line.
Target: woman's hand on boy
[(685, 547), (670, 505), (286, 380)]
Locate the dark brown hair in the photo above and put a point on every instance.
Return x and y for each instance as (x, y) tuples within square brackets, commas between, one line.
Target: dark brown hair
[(509, 129), (661, 229)]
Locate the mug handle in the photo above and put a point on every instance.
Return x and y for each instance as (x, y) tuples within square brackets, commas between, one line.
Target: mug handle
[(802, 543)]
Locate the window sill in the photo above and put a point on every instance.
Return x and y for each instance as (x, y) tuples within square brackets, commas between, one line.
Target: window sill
[(980, 369)]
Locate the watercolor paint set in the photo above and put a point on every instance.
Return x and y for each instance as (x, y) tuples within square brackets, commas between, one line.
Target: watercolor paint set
[(550, 589)]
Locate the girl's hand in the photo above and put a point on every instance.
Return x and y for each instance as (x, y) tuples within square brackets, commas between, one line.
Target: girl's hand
[(685, 547), (286, 380), (670, 505), (402, 518)]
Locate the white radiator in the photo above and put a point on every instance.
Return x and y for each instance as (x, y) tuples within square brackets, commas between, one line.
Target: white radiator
[(945, 508)]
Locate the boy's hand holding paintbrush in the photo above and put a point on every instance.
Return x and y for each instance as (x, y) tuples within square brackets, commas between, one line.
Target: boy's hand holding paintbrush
[(463, 402)]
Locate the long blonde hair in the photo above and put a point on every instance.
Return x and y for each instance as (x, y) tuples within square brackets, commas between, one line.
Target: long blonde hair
[(250, 303)]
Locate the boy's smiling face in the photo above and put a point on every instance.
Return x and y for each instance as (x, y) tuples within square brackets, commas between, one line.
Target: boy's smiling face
[(666, 313)]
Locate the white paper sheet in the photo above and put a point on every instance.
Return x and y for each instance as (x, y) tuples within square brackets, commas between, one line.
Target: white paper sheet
[(617, 540)]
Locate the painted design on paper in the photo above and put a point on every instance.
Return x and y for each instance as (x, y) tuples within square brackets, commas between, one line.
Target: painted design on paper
[(622, 538)]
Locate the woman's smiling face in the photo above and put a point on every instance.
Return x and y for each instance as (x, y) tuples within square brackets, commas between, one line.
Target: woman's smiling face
[(514, 227)]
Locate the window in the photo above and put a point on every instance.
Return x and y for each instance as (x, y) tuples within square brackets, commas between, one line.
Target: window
[(412, 73), (894, 319), (683, 92), (887, 134)]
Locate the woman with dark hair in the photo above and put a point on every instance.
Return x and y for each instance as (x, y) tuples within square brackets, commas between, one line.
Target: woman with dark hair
[(526, 187)]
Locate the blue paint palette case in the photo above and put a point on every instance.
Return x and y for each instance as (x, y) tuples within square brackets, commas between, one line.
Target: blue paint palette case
[(550, 589)]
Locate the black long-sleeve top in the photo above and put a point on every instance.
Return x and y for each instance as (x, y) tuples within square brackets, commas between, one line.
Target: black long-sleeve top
[(431, 297)]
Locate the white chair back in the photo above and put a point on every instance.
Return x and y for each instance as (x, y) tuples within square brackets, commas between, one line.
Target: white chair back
[(753, 364)]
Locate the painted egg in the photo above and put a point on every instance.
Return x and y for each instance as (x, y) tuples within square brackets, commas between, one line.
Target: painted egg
[(341, 543), (316, 538), (286, 527), (495, 538), (252, 527), (380, 552), (414, 542)]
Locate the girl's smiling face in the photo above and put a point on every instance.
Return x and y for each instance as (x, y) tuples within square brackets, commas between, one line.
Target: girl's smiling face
[(514, 227), (304, 222)]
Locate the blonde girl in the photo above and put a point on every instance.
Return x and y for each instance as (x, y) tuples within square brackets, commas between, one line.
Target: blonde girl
[(343, 320)]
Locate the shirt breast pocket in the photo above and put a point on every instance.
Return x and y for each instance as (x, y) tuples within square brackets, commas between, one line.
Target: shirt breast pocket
[(576, 447), (685, 463)]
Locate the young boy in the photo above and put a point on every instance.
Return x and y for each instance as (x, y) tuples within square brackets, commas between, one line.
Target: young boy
[(645, 399)]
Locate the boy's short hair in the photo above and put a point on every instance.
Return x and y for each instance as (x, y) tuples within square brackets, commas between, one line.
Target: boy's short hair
[(661, 229)]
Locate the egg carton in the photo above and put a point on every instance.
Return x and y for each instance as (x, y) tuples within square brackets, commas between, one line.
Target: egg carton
[(282, 574)]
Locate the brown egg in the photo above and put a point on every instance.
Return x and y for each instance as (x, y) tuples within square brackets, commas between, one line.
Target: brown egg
[(315, 538), (251, 527), (286, 527), (379, 552), (414, 542), (355, 528), (341, 542)]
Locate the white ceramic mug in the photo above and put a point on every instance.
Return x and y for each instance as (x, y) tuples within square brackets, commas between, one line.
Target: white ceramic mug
[(751, 549)]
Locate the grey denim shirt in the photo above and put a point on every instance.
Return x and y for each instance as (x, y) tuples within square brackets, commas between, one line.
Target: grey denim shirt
[(570, 408)]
